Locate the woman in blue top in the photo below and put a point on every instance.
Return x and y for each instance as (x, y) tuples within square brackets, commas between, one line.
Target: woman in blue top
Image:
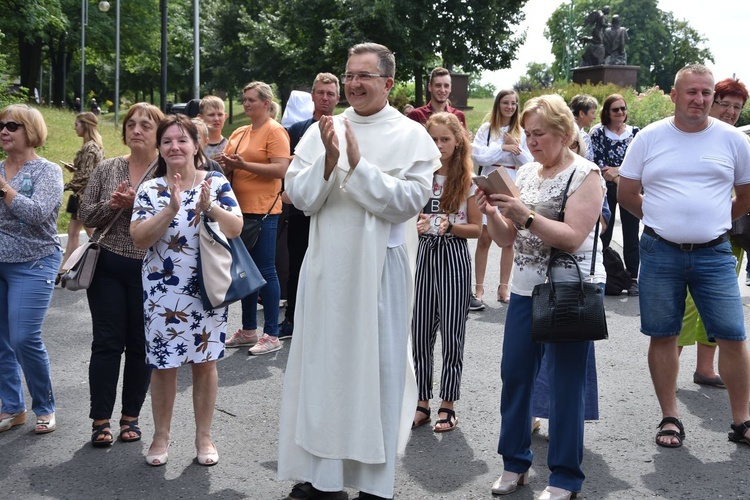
[(30, 197)]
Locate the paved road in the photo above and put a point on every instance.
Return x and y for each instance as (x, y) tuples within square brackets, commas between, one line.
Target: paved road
[(621, 460)]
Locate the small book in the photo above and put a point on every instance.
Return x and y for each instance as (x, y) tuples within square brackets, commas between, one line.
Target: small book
[(497, 182)]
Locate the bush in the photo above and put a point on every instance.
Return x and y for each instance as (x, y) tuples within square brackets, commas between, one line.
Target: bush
[(644, 108), (401, 95)]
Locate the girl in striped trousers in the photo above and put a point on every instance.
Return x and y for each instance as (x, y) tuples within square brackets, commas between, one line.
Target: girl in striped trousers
[(443, 273)]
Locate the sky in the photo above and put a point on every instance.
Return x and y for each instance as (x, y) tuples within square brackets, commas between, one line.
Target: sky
[(723, 29)]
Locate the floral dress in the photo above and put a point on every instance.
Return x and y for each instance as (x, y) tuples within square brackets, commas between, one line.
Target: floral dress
[(178, 329)]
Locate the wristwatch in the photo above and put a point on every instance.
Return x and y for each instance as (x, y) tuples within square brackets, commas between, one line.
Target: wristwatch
[(528, 222), (3, 190), (448, 229)]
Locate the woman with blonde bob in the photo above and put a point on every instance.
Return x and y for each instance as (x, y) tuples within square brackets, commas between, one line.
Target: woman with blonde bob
[(530, 223), (443, 271), (30, 197), (499, 143)]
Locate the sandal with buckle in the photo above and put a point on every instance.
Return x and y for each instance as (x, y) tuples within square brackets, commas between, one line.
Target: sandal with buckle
[(130, 426), (98, 431), (680, 435), (421, 421), (452, 421), (738, 433)]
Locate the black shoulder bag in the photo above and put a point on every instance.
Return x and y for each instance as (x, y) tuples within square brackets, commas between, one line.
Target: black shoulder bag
[(568, 311)]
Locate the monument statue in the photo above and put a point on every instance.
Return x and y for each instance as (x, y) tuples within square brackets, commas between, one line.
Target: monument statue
[(595, 52), (615, 38)]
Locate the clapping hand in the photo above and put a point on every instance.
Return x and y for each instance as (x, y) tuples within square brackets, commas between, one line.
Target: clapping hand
[(122, 197)]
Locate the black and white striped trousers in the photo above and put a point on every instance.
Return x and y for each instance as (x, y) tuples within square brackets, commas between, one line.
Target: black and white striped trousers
[(441, 300)]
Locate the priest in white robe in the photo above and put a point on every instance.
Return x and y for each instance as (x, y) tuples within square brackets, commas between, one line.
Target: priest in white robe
[(349, 393)]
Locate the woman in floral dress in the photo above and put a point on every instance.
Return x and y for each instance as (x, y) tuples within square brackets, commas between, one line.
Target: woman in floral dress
[(179, 331)]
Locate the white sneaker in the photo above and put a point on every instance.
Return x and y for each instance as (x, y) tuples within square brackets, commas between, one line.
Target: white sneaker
[(266, 345), (242, 338)]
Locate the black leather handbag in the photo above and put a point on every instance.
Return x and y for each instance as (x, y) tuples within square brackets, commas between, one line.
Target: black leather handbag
[(568, 311)]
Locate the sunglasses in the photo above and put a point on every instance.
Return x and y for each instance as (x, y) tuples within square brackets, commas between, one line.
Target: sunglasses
[(621, 109), (12, 126)]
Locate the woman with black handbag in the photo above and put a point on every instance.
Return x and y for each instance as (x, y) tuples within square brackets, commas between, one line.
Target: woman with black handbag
[(536, 226), (179, 329)]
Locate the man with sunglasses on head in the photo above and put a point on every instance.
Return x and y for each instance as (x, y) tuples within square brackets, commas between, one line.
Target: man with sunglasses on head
[(348, 395), (677, 177)]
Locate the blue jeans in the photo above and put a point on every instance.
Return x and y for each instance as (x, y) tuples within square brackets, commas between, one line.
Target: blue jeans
[(264, 255), (25, 294), (566, 372), (709, 273)]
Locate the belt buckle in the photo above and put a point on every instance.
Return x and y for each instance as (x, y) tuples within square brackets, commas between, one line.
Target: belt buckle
[(687, 247)]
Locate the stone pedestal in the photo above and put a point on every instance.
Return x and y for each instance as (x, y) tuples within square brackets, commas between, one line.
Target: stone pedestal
[(624, 76)]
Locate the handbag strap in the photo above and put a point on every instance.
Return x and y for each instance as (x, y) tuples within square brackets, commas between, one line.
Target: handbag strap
[(112, 221), (561, 217)]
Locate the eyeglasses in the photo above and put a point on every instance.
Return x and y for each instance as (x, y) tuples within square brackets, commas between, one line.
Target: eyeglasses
[(362, 77), (727, 105), (12, 126), (621, 109)]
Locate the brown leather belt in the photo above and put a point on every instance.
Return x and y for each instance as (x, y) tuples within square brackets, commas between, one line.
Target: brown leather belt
[(687, 247)]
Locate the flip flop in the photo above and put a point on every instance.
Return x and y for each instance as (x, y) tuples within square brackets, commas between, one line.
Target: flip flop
[(452, 421), (421, 421)]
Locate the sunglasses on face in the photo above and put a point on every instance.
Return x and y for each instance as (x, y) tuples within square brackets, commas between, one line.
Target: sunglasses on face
[(621, 109), (12, 126)]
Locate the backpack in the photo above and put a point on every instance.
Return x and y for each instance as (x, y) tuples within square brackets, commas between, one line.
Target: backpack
[(618, 278)]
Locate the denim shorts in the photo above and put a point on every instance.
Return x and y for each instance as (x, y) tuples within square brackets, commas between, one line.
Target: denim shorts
[(666, 275)]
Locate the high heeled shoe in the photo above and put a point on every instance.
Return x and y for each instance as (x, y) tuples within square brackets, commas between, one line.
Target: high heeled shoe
[(157, 459), (209, 459), (503, 293), (18, 418), (510, 483), (555, 493)]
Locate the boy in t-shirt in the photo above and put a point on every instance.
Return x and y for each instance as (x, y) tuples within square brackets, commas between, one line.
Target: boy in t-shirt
[(211, 111)]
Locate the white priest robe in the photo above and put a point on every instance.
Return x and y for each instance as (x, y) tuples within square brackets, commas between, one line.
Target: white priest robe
[(343, 415)]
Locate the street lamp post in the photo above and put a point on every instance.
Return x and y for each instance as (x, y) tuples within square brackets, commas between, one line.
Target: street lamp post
[(84, 21), (104, 7)]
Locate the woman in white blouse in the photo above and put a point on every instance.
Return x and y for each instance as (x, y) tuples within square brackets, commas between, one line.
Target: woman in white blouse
[(498, 143)]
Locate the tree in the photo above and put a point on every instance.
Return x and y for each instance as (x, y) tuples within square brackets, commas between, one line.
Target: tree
[(658, 43), (538, 76), (33, 25)]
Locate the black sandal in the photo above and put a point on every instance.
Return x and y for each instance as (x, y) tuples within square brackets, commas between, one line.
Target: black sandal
[(738, 433), (452, 421), (421, 422), (131, 426), (680, 435), (101, 430)]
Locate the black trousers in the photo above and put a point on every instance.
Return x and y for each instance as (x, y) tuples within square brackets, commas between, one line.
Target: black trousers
[(116, 302), (298, 235), (630, 228)]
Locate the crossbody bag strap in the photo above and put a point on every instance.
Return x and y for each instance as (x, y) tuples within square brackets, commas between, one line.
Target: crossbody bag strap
[(112, 221), (273, 204)]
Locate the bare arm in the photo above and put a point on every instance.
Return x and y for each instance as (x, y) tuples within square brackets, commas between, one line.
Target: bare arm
[(147, 232), (276, 169), (741, 201), (629, 196)]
